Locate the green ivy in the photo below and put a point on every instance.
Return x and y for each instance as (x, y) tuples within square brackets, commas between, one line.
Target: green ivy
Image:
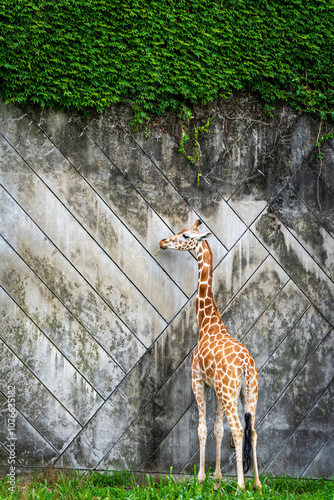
[(165, 54)]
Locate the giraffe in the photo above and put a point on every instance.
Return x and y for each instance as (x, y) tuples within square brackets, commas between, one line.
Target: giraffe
[(219, 361)]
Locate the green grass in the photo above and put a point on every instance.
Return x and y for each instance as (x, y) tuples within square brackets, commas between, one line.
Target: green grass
[(52, 484)]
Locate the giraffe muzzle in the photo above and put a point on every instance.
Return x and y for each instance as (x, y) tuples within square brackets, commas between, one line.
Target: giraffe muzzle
[(163, 245)]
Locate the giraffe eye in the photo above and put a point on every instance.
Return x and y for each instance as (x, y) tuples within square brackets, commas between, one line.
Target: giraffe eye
[(186, 236)]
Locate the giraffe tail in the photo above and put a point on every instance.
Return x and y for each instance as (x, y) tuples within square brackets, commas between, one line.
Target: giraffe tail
[(247, 447)]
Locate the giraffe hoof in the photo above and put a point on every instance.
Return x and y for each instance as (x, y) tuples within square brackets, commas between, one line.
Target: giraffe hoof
[(217, 485), (257, 486), (240, 487)]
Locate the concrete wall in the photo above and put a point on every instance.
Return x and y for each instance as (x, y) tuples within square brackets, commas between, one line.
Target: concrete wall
[(97, 327)]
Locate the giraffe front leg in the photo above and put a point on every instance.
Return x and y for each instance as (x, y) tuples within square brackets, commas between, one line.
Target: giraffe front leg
[(199, 392), (219, 433)]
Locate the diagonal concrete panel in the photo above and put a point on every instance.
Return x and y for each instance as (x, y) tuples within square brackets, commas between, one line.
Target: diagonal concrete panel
[(162, 359), (236, 268), (289, 358), (307, 439), (46, 362), (65, 282), (316, 195), (306, 228), (266, 282), (95, 439), (178, 449), (276, 169), (134, 449), (296, 261), (31, 449), (322, 463), (276, 323), (249, 136), (36, 403), (289, 411), (61, 327), (4, 457), (324, 166)]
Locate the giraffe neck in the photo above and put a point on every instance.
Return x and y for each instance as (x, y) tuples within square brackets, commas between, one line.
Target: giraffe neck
[(205, 303)]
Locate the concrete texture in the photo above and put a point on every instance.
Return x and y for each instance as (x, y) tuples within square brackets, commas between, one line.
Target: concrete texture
[(98, 327)]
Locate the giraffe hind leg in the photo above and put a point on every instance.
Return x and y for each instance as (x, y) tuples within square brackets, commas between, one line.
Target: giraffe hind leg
[(258, 484), (251, 407), (231, 412)]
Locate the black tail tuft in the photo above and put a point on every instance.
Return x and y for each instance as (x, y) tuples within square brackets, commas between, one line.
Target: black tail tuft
[(247, 449)]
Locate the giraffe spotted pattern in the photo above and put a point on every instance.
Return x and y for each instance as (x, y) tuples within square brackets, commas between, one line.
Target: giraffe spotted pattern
[(218, 361)]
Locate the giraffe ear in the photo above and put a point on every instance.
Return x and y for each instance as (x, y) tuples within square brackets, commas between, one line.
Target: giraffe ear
[(203, 236)]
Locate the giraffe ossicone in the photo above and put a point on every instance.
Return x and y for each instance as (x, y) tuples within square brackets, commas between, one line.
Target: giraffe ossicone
[(220, 362)]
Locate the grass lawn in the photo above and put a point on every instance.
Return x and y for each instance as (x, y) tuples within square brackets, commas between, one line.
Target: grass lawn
[(54, 484)]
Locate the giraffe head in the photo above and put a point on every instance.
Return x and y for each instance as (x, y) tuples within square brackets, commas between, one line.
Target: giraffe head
[(187, 239)]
